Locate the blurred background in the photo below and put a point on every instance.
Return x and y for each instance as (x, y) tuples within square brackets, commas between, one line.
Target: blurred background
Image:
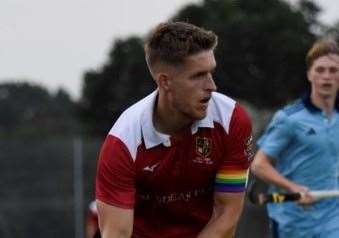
[(69, 68)]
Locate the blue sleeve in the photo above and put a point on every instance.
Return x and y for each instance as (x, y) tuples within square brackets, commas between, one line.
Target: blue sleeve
[(277, 135)]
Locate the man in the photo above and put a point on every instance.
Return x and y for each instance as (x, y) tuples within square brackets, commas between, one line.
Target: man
[(175, 163), (299, 151)]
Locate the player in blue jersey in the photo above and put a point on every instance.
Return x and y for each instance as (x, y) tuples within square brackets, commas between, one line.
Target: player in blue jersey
[(299, 151)]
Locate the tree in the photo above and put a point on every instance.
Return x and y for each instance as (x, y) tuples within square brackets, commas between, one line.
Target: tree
[(262, 45), (29, 110), (333, 31), (310, 10), (122, 81)]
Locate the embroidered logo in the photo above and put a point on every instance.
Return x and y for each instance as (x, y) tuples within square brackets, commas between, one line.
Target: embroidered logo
[(203, 148), (311, 131), (151, 168)]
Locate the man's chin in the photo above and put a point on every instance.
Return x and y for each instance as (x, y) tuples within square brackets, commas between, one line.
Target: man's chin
[(200, 115), (326, 95)]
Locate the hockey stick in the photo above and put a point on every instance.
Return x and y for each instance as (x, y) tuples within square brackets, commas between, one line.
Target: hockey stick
[(262, 198)]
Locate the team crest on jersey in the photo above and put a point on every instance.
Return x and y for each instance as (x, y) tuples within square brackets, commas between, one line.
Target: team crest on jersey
[(203, 147), (249, 150)]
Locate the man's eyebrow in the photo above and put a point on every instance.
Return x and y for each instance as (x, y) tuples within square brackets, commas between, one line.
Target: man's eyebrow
[(201, 73)]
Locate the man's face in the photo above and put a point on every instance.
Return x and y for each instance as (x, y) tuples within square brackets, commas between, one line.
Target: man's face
[(324, 76), (191, 86)]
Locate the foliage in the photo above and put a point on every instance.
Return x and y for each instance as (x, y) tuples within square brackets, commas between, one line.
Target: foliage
[(29, 110), (333, 31), (120, 83), (262, 45)]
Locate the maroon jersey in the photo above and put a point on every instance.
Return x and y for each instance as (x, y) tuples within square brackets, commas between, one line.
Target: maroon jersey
[(170, 182)]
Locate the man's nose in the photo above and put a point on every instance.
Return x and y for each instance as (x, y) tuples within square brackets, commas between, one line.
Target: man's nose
[(210, 84), (327, 74)]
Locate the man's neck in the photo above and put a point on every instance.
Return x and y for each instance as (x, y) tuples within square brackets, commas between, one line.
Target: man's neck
[(169, 121), (326, 104)]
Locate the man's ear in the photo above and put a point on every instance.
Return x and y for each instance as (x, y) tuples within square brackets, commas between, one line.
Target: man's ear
[(308, 75), (163, 81)]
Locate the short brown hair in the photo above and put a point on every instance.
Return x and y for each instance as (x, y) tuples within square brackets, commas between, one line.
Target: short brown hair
[(321, 48), (171, 42)]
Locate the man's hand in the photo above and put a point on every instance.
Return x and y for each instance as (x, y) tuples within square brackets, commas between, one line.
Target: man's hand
[(306, 197)]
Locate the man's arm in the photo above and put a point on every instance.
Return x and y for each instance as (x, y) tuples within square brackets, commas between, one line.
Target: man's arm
[(226, 213), (114, 222), (91, 227), (262, 167), (231, 177)]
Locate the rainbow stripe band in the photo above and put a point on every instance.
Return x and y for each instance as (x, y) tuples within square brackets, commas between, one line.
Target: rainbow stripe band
[(231, 180)]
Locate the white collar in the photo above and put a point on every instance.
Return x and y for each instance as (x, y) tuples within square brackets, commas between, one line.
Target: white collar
[(152, 137)]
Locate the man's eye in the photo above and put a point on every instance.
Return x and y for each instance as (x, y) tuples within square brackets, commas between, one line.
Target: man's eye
[(333, 70), (320, 69), (199, 76)]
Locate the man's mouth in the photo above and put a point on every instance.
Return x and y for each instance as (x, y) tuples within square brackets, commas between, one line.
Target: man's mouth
[(326, 86), (205, 100)]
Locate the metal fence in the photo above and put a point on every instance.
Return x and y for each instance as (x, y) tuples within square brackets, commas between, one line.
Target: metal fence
[(37, 179), (47, 184)]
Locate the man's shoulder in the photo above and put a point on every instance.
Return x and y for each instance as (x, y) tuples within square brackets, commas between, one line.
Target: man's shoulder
[(128, 126), (293, 109), (224, 108), (220, 98), (226, 104), (133, 114), (290, 114)]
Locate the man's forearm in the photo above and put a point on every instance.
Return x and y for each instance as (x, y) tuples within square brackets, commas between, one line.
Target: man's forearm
[(263, 169), (223, 223), (115, 222), (218, 229), (115, 234)]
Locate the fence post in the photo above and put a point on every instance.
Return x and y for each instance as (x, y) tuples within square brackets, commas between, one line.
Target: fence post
[(78, 187)]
